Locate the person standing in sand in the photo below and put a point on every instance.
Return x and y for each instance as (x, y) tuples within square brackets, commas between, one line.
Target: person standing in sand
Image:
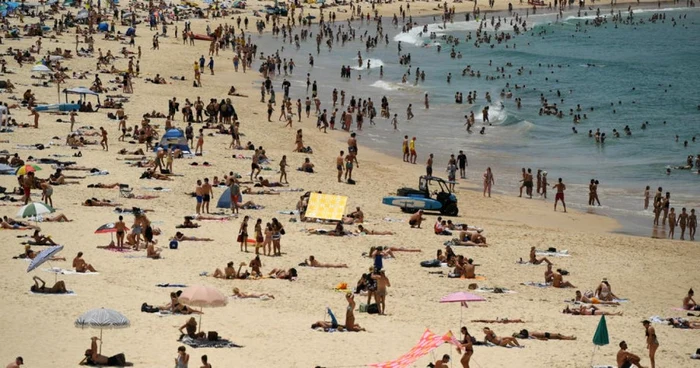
[(207, 193), (33, 112), (560, 187), (652, 341), (243, 234), (283, 170), (27, 182), (488, 181), (198, 193), (429, 166), (380, 295), (200, 143), (103, 142), (120, 228)]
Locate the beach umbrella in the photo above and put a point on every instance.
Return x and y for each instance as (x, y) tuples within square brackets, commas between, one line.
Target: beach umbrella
[(102, 319), (600, 338), (35, 209), (43, 257), (23, 170), (108, 228), (462, 298), (41, 68), (203, 296)]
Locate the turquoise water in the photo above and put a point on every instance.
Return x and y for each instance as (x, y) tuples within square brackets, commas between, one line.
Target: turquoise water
[(648, 70)]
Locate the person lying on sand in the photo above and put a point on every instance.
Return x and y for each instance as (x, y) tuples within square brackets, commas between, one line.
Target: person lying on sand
[(592, 300), (626, 359), (153, 252), (182, 237), (558, 280), (80, 265), (504, 320), (248, 190), (243, 295), (93, 358), (689, 302), (312, 262), (361, 230), (94, 202), (41, 239), (124, 151), (10, 224), (56, 218), (176, 307), (490, 336), (187, 224), (104, 186), (281, 274), (191, 330), (534, 260), (586, 311), (141, 196), (262, 182), (232, 92), (58, 288), (525, 334), (683, 323)]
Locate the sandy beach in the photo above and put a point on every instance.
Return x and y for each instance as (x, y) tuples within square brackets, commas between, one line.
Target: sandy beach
[(653, 274)]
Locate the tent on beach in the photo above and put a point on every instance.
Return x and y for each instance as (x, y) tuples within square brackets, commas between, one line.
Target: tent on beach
[(174, 138), (225, 199)]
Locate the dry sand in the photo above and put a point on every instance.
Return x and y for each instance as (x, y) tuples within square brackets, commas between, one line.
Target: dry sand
[(653, 274)]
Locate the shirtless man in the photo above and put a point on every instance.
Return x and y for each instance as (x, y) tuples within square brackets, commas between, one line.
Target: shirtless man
[(626, 359), (207, 193), (442, 363), (199, 194), (103, 142), (470, 269), (352, 144), (689, 303), (560, 187), (548, 273), (312, 262), (416, 219), (339, 165), (228, 273), (534, 260), (17, 363), (558, 280), (80, 265), (380, 295)]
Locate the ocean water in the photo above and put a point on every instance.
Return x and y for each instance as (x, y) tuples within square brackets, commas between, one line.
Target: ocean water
[(619, 73)]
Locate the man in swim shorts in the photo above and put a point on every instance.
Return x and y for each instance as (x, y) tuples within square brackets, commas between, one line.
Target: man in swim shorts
[(416, 219), (560, 187), (626, 359), (339, 165), (198, 193), (207, 192)]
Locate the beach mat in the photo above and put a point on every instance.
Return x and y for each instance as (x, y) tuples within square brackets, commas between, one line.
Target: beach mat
[(61, 271), (220, 343), (69, 293), (537, 284)]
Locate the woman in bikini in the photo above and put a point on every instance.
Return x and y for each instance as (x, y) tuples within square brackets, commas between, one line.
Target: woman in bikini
[(589, 311), (350, 324), (488, 182), (525, 334), (94, 202), (283, 170), (58, 288), (190, 328), (120, 227), (41, 239), (229, 273), (363, 231), (259, 239), (243, 234), (652, 341), (267, 243), (255, 265), (182, 237), (467, 345), (490, 336), (277, 273), (243, 295)]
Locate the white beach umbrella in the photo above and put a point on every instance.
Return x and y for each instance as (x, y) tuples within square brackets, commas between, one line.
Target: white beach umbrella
[(102, 319)]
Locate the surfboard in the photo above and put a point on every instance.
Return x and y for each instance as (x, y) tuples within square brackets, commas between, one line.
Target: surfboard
[(404, 202)]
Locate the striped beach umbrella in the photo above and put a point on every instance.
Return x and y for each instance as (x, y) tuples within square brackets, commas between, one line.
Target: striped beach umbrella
[(102, 319), (35, 209), (43, 256)]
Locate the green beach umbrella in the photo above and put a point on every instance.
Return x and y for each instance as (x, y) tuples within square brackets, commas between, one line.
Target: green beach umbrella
[(600, 337), (35, 209)]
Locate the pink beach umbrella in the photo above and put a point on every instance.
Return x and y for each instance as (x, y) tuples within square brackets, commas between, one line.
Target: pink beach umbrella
[(462, 298), (203, 296)]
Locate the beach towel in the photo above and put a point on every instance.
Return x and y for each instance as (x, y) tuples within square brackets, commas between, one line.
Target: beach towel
[(493, 290), (62, 271), (115, 249), (220, 343), (165, 285), (537, 284), (288, 212), (262, 297), (97, 173), (560, 253), (156, 189), (524, 263), (143, 256), (69, 293)]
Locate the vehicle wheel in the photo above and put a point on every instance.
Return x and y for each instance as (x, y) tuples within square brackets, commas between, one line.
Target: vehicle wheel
[(450, 210)]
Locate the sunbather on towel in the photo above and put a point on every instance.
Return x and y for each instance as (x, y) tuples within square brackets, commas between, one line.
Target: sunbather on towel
[(277, 273), (361, 230), (243, 295), (534, 260), (57, 218), (104, 186), (187, 224), (683, 323), (10, 224), (558, 280), (490, 336), (586, 311), (181, 237), (80, 265), (31, 254), (312, 262), (41, 239), (592, 300), (504, 320), (93, 358), (94, 202), (248, 190), (191, 330), (327, 326), (525, 334), (58, 288), (176, 307)]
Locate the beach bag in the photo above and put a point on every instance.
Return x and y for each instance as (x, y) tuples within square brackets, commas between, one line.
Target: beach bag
[(173, 244), (165, 171), (373, 308), (351, 182), (552, 249), (213, 336), (363, 308)]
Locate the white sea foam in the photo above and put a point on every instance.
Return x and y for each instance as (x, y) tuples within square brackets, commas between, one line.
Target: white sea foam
[(373, 63), (387, 86), (417, 37)]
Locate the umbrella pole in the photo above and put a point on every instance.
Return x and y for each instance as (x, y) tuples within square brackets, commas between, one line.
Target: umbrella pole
[(100, 341), (200, 319), (593, 355)]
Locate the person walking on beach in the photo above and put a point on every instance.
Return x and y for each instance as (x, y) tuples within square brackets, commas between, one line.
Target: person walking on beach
[(412, 148), (683, 222), (409, 112), (404, 148), (692, 224), (462, 160), (103, 142), (429, 166), (488, 181), (560, 187), (672, 223)]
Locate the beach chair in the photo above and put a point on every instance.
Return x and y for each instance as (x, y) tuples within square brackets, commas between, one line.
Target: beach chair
[(125, 191)]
